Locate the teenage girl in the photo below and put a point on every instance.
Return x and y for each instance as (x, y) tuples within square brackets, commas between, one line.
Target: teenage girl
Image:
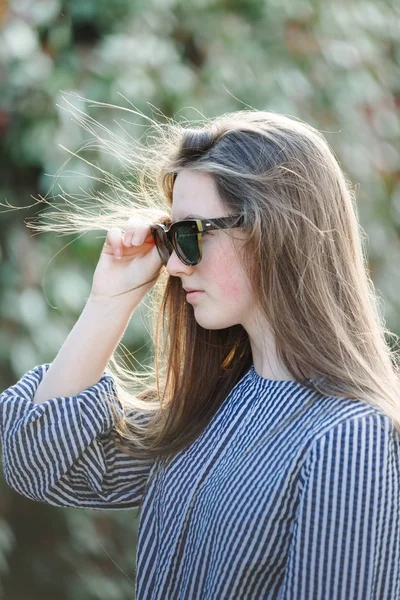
[(264, 449)]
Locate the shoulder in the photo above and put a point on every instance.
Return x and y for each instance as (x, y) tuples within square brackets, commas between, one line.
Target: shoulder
[(348, 416), (355, 433)]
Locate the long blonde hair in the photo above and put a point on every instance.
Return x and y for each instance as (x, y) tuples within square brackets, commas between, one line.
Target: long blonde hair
[(305, 259)]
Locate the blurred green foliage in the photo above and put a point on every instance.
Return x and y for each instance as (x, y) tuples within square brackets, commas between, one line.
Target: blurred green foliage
[(333, 64)]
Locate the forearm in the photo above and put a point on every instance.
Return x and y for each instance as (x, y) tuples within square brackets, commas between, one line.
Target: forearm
[(83, 357)]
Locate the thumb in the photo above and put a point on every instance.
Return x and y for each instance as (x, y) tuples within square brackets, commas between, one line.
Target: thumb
[(150, 263)]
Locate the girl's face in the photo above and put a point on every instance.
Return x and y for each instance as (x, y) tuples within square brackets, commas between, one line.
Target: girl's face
[(226, 298)]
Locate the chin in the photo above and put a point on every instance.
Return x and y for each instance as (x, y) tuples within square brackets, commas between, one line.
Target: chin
[(209, 322)]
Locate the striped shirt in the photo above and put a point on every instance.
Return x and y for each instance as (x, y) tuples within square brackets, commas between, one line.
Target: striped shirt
[(287, 493)]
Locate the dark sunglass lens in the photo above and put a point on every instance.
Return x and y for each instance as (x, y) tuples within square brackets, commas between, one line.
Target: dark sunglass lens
[(186, 240)]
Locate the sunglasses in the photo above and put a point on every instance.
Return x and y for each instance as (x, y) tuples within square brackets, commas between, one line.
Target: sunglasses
[(185, 237)]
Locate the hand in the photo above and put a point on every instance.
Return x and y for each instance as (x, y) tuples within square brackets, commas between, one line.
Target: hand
[(127, 261)]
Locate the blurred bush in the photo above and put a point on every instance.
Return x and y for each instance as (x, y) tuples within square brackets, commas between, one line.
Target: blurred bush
[(335, 65)]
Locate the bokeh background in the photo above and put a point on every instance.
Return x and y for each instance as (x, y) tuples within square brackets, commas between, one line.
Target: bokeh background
[(333, 64)]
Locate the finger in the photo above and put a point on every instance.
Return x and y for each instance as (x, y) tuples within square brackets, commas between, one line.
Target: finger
[(114, 239), (151, 260), (136, 232)]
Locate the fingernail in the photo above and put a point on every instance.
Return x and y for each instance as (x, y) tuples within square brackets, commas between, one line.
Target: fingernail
[(136, 241)]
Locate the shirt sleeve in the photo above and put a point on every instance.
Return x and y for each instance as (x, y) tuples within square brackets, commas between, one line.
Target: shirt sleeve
[(60, 452), (346, 540)]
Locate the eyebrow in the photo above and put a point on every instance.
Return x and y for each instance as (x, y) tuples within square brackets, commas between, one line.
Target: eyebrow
[(189, 217)]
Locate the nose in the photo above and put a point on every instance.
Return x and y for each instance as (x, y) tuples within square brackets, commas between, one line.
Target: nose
[(175, 266)]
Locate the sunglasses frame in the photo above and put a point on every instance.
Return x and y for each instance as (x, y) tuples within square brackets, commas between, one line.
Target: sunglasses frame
[(199, 226)]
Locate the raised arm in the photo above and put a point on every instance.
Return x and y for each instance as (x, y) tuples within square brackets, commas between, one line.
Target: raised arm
[(55, 422), (85, 354)]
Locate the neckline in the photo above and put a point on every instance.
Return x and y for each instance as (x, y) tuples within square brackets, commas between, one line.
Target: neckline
[(254, 376)]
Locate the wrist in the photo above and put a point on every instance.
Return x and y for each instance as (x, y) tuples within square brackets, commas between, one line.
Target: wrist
[(118, 305)]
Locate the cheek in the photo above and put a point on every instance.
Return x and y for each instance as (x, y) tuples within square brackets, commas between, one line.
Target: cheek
[(226, 277)]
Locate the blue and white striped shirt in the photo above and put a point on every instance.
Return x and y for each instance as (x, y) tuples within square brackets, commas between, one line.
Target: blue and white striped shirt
[(311, 512)]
